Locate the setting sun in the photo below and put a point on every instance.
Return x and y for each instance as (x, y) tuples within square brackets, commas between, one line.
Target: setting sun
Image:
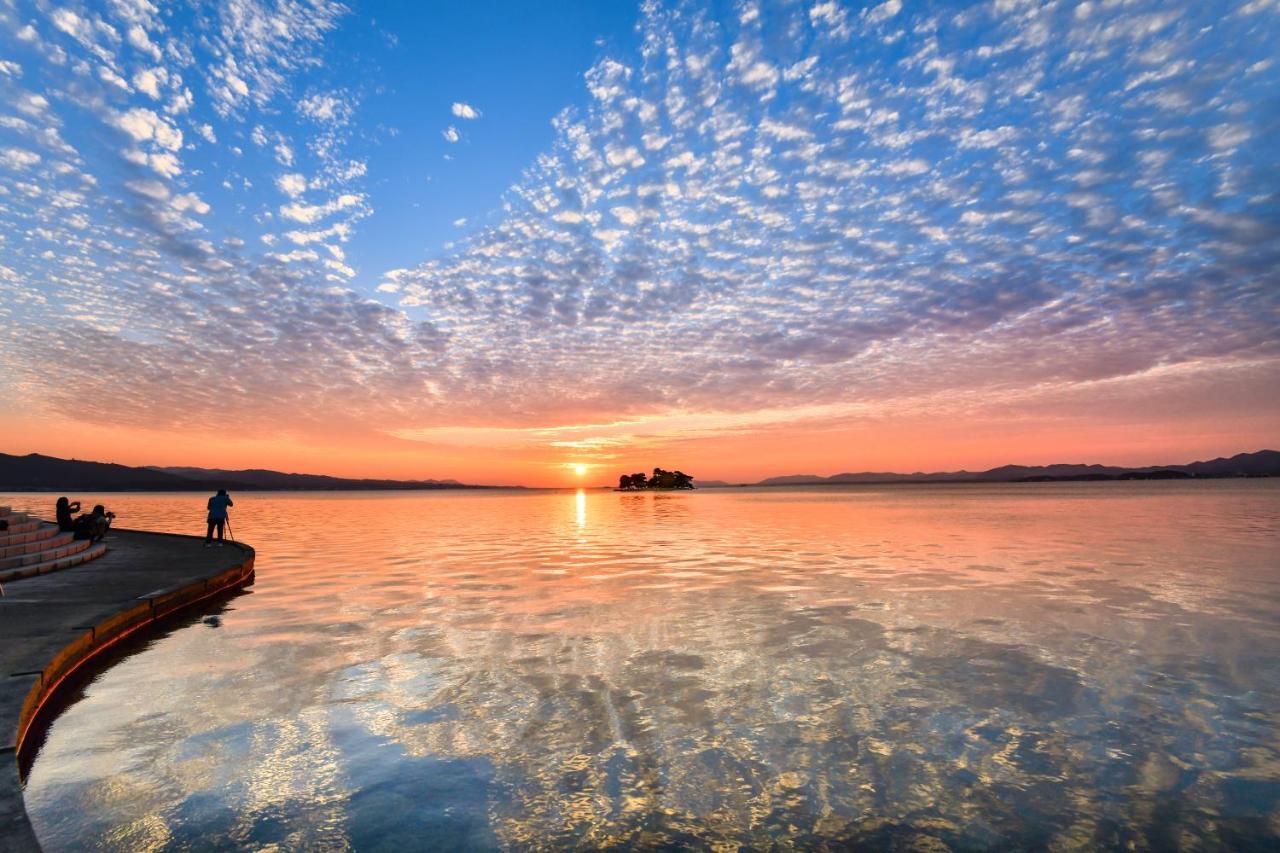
[(579, 469)]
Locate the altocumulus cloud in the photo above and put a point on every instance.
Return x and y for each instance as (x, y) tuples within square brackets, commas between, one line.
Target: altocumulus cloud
[(766, 206)]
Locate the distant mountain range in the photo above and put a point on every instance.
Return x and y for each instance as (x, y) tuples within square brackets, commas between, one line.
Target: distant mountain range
[(1264, 463), (48, 473)]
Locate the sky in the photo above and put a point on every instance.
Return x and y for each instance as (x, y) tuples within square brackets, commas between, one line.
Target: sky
[(549, 243)]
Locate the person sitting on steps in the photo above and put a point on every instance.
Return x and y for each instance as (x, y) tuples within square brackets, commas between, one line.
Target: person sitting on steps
[(217, 516), (94, 525), (64, 511)]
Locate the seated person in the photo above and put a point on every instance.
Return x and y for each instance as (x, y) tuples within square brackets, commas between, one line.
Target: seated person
[(64, 511), (94, 526)]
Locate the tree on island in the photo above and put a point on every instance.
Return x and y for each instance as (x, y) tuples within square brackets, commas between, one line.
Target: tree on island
[(632, 481), (659, 480)]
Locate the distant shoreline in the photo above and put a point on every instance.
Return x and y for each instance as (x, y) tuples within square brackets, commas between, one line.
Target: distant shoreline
[(1262, 463), (47, 490), (979, 482), (719, 487), (37, 473), (41, 474)]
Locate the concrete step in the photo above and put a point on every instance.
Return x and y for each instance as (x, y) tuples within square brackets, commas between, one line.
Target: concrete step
[(65, 550), (55, 540), (37, 530), (22, 526), (15, 519), (90, 553)]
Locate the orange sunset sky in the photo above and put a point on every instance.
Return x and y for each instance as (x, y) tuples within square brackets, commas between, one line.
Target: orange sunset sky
[(1136, 422)]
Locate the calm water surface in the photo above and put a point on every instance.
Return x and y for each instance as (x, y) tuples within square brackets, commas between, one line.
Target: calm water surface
[(974, 667)]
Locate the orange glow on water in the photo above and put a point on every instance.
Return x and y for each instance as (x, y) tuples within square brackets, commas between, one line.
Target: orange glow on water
[(522, 630), (519, 630)]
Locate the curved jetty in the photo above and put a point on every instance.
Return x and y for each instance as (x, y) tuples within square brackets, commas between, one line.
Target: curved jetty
[(75, 606)]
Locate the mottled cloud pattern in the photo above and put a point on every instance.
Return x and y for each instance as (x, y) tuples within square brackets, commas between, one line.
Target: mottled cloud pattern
[(769, 206)]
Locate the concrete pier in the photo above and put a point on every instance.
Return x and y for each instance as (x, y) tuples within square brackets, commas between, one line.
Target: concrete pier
[(53, 624)]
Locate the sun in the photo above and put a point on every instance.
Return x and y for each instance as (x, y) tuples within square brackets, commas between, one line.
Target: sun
[(579, 469)]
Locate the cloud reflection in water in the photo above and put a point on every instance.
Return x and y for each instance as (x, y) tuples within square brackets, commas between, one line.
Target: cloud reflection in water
[(1009, 666)]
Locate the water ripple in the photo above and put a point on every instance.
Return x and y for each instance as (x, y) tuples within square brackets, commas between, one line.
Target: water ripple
[(993, 667)]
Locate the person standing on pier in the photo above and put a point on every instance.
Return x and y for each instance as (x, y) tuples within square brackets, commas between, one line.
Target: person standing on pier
[(217, 516)]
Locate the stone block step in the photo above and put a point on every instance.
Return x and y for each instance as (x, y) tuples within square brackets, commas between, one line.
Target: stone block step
[(23, 526), (17, 519), (92, 552), (65, 550), (38, 530), (55, 540)]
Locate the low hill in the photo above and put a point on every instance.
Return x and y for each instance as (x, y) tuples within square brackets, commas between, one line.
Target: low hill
[(799, 480), (1263, 463), (43, 473), (38, 473), (260, 478)]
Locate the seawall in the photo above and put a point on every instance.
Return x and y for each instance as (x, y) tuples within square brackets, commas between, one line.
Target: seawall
[(53, 625)]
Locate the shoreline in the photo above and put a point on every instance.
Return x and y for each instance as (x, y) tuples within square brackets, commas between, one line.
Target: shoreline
[(52, 626), (714, 487), (53, 490), (1026, 481)]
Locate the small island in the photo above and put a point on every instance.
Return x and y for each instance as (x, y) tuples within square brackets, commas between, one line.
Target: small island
[(660, 480)]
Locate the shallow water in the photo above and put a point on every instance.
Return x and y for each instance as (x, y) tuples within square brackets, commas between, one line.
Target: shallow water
[(1025, 666)]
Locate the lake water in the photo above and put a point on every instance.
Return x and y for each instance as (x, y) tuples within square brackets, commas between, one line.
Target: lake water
[(1044, 666)]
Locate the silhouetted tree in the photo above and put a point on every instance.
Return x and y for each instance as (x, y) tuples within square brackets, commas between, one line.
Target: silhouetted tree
[(662, 479), (659, 479)]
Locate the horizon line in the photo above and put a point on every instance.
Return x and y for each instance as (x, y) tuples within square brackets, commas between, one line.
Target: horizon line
[(454, 483)]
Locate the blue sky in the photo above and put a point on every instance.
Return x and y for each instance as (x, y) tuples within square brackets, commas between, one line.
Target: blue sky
[(517, 64), (582, 225)]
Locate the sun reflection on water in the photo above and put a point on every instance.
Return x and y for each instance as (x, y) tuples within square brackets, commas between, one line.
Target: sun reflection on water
[(976, 667)]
